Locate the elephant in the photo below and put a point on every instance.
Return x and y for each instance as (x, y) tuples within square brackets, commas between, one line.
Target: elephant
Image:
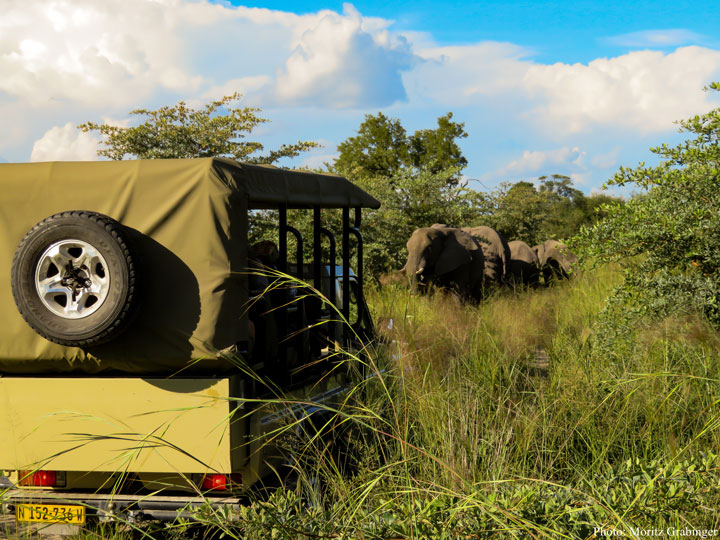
[(495, 250), (447, 257), (556, 260), (524, 264)]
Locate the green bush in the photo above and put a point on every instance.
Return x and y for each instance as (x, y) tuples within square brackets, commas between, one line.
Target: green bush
[(668, 238)]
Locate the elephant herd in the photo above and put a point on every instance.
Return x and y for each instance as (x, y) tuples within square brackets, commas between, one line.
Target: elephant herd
[(468, 260)]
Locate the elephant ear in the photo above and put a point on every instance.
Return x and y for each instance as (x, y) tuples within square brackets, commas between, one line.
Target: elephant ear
[(540, 252), (457, 250)]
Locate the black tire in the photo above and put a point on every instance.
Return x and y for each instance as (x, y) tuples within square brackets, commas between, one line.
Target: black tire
[(84, 258)]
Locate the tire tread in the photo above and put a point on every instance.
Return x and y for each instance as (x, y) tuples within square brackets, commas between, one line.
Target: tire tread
[(123, 318)]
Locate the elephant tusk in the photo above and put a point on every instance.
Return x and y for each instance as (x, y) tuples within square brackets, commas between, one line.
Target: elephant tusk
[(420, 271)]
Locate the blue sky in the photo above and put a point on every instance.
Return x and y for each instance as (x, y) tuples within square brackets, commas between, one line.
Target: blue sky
[(577, 88), (577, 31)]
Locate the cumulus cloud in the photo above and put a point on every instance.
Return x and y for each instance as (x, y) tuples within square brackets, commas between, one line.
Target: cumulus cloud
[(119, 52), (467, 74), (672, 37), (113, 52), (644, 91), (65, 143), (343, 63), (536, 161)]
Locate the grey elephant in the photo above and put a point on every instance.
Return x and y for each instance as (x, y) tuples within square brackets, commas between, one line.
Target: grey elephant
[(524, 264), (447, 257), (556, 260), (495, 250)]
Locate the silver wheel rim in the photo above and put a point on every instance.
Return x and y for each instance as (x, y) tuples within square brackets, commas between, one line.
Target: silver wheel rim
[(72, 279)]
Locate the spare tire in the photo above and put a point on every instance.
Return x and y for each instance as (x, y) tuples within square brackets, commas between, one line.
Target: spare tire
[(74, 278)]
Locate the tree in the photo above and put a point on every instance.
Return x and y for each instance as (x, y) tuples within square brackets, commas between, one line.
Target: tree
[(668, 239), (553, 210), (518, 212), (379, 149), (415, 197), (382, 148), (179, 131), (436, 150), (417, 178), (566, 207)]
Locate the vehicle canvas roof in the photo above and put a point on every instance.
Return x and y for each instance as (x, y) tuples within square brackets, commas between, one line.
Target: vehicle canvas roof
[(267, 186), (190, 217)]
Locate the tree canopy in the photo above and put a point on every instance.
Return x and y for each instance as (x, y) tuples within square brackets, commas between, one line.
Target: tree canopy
[(382, 148), (218, 129), (668, 239), (552, 210)]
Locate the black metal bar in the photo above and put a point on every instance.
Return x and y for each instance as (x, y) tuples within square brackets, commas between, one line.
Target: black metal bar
[(317, 248), (281, 296), (358, 272), (282, 239), (332, 297), (359, 268), (298, 250), (346, 265), (302, 342)]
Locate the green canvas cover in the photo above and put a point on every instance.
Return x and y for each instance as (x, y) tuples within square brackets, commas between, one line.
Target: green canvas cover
[(189, 219)]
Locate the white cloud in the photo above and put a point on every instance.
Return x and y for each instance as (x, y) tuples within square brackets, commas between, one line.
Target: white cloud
[(342, 62), (65, 143), (318, 161), (606, 160), (112, 52), (672, 37), (643, 91), (538, 161), (243, 85), (467, 74), (121, 52), (580, 179)]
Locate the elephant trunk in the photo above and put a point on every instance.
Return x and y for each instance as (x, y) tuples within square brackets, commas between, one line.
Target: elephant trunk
[(415, 269)]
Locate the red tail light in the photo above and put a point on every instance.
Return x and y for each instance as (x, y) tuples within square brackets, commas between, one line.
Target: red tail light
[(42, 478), (215, 482)]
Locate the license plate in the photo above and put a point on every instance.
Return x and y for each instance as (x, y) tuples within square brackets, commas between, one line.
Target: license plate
[(50, 513)]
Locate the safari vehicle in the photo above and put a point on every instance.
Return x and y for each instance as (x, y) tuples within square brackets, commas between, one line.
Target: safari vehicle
[(137, 328)]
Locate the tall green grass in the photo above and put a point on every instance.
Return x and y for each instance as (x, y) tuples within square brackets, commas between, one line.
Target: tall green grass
[(523, 417), (522, 386), (518, 416)]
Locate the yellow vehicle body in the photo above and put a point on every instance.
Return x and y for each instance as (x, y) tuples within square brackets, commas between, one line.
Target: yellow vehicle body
[(120, 424), (160, 430)]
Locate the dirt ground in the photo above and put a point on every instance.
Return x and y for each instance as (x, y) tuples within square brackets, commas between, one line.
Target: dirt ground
[(7, 526)]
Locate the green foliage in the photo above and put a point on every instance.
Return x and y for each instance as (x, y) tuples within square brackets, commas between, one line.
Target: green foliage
[(553, 210), (382, 148), (630, 496), (518, 212), (668, 239), (379, 149), (215, 130), (436, 150), (464, 434), (413, 198), (507, 421)]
